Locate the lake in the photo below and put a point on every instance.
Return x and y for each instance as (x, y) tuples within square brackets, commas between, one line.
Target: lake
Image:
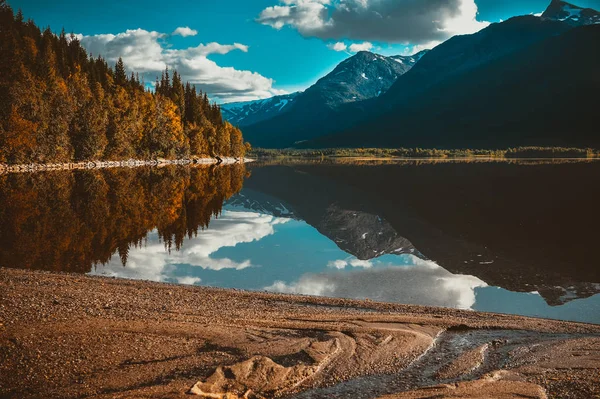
[(518, 237)]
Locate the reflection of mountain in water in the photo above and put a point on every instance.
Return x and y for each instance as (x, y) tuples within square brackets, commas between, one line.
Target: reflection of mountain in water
[(261, 203), (362, 234), (452, 215)]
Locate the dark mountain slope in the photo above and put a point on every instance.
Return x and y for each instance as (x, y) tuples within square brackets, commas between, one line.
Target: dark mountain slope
[(544, 94), (461, 54)]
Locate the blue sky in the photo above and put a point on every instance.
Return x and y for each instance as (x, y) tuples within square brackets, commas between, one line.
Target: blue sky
[(284, 47)]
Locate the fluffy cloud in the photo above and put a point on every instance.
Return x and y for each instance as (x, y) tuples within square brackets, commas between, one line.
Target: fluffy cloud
[(353, 48), (339, 46), (152, 262), (392, 21), (424, 283), (356, 47), (185, 31), (149, 54), (140, 49)]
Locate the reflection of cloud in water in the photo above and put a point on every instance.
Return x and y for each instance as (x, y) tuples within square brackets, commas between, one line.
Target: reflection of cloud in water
[(350, 262), (424, 283), (152, 262)]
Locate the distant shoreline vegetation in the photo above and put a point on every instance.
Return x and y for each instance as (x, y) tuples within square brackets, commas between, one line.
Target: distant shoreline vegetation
[(60, 105), (518, 152)]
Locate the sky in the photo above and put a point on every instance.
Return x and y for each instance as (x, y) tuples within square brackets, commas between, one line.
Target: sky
[(240, 50)]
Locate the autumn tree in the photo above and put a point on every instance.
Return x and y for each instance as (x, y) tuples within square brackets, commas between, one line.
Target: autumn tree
[(60, 104), (238, 149)]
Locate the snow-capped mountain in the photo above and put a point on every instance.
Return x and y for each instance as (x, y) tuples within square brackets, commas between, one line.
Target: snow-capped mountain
[(363, 76), (249, 112), (571, 14)]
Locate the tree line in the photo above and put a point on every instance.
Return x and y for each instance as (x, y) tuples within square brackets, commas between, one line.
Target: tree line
[(59, 104), (518, 152)]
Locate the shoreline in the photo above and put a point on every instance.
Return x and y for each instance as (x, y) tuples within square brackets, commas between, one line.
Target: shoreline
[(449, 159), (66, 335), (131, 163)]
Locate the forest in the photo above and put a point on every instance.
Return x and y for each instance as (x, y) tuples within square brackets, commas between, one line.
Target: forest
[(58, 105), (74, 220)]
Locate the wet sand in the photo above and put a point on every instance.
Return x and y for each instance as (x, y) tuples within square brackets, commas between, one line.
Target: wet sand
[(72, 336)]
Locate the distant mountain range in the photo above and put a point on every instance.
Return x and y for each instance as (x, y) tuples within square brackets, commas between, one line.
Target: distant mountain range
[(525, 81), (250, 112)]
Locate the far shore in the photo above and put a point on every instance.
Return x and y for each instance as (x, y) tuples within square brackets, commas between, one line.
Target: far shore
[(72, 336), (33, 167), (441, 159), (530, 153)]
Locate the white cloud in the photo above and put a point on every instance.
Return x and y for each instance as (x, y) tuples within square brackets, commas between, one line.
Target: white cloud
[(149, 54), (356, 47), (392, 21), (424, 283), (152, 262), (189, 280), (339, 46), (185, 31), (139, 48)]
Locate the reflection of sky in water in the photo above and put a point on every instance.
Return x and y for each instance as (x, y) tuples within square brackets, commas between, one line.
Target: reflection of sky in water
[(248, 250)]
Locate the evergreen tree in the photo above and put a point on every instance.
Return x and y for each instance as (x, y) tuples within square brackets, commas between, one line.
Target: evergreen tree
[(120, 74)]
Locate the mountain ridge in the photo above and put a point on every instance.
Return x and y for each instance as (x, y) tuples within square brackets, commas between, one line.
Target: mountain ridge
[(361, 77)]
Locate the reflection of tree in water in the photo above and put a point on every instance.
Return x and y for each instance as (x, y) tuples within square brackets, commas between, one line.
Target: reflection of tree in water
[(71, 221)]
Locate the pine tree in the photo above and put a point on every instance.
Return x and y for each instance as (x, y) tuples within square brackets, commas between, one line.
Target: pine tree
[(120, 73), (19, 17)]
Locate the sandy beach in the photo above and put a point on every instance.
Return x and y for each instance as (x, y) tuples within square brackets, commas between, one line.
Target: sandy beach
[(73, 336)]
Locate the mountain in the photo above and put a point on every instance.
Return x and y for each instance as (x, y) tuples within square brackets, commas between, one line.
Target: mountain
[(361, 77), (571, 14), (527, 81), (247, 113)]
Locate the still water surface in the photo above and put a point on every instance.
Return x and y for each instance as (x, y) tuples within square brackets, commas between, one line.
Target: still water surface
[(517, 237)]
